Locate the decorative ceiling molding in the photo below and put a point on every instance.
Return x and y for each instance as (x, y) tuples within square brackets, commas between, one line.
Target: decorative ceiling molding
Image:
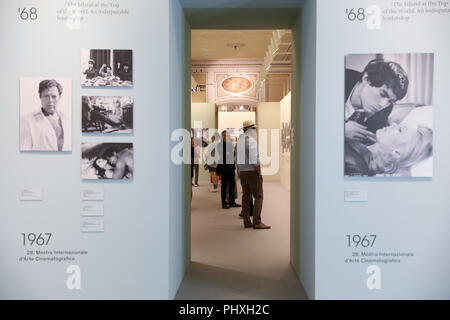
[(237, 85), (279, 52), (232, 88), (226, 63)]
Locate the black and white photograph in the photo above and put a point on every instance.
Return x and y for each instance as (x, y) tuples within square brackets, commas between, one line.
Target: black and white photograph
[(45, 114), (106, 68), (106, 161), (389, 115), (107, 114), (286, 137)]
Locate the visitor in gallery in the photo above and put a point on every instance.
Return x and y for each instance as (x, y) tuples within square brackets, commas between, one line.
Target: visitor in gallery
[(252, 205), (226, 171), (211, 163), (43, 129), (105, 71), (196, 144), (249, 169), (91, 71), (396, 149), (125, 73), (122, 161), (370, 96)]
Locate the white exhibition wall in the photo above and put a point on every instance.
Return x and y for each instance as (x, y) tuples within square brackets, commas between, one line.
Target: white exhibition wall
[(406, 215), (268, 118), (303, 116), (233, 119), (206, 114), (142, 252), (130, 259), (179, 218)]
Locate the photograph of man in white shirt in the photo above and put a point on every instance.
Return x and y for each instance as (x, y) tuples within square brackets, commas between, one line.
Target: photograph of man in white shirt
[(48, 126)]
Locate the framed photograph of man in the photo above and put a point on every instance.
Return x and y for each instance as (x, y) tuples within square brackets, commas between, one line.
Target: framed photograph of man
[(106, 68), (388, 122), (107, 114), (106, 160), (45, 114)]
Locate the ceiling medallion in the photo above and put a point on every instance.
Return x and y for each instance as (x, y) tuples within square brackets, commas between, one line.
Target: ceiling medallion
[(236, 85)]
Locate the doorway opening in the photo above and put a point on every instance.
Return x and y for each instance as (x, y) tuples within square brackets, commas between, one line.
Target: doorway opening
[(238, 76)]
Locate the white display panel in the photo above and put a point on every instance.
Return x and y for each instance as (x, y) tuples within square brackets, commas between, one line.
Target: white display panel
[(91, 209), (92, 195), (31, 194), (92, 225), (365, 249), (50, 47)]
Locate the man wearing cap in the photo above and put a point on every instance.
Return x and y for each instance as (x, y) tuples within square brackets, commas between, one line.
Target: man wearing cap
[(249, 169), (91, 72)]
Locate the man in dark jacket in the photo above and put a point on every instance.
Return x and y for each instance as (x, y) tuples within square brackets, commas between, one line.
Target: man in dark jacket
[(225, 168)]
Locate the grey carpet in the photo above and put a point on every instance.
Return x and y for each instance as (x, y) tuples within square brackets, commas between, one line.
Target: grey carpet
[(230, 262)]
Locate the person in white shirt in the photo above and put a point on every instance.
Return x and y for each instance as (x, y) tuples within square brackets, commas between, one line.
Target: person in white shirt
[(249, 170), (43, 129)]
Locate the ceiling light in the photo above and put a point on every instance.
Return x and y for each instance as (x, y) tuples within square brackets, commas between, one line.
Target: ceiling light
[(235, 45), (241, 108)]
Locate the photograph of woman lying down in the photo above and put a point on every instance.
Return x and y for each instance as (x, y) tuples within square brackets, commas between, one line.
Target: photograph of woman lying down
[(388, 115), (107, 114), (107, 160)]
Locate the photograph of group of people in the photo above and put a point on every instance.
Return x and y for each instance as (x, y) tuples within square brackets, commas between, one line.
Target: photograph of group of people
[(106, 160), (107, 114), (388, 115), (106, 68)]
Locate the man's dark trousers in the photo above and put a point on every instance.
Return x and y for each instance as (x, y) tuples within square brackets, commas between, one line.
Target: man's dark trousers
[(228, 182)]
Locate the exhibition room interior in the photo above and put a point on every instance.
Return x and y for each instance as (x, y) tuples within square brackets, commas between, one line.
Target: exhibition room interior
[(237, 76), (351, 134)]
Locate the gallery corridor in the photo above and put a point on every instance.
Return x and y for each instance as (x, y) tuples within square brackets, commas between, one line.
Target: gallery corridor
[(230, 262)]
